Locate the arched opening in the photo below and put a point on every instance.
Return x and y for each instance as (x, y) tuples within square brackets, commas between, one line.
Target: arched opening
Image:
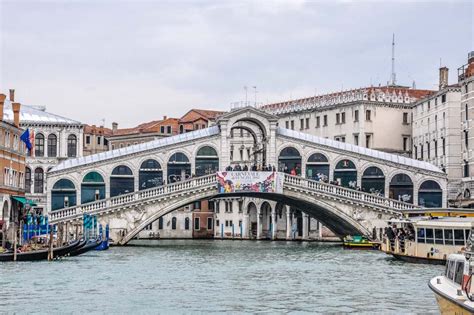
[(317, 167), (252, 226), (373, 181), (39, 145), (173, 223), (52, 145), (258, 153), (179, 168), (72, 146), (63, 194), (121, 181), (27, 180), (266, 215), (92, 187), (289, 161), (401, 188), (345, 174), (430, 195), (39, 180), (150, 174), (207, 161)]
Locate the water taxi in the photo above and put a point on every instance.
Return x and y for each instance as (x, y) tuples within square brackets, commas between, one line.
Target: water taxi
[(454, 289), (426, 239), (359, 242)]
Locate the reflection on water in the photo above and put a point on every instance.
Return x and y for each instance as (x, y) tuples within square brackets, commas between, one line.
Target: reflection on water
[(219, 276)]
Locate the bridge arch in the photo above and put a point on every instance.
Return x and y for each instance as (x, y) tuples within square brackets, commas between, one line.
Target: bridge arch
[(63, 194), (122, 180)]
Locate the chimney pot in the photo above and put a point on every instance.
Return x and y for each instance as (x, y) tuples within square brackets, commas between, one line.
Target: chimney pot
[(443, 77), (114, 126), (2, 102), (12, 95), (16, 114), (165, 117)]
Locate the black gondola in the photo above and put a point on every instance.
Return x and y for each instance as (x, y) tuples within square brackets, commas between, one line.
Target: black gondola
[(90, 245), (40, 254)]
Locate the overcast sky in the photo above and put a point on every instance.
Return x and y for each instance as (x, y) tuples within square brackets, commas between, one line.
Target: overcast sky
[(135, 61)]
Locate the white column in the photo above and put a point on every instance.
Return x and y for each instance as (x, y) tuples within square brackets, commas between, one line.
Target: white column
[(288, 223), (274, 223), (259, 224), (245, 226), (305, 235)]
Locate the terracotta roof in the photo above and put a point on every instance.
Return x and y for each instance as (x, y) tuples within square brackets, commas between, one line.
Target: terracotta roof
[(148, 127), (414, 94), (94, 130), (195, 114)]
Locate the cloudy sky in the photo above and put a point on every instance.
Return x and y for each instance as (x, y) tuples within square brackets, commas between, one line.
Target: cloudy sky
[(135, 61)]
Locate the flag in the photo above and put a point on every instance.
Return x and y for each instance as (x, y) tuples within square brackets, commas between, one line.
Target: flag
[(25, 137)]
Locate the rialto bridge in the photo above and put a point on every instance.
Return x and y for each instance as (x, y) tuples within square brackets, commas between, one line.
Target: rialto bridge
[(350, 189)]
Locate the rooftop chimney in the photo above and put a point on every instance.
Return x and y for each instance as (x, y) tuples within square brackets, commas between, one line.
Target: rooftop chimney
[(12, 95), (16, 114), (165, 117), (443, 77), (2, 101), (114, 126)]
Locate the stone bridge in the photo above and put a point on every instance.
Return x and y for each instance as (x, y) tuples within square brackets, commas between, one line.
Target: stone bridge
[(350, 189)]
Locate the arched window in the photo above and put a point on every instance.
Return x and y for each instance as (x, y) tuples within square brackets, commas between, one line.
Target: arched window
[(345, 174), (173, 223), (373, 181), (72, 146), (207, 161), (52, 145), (39, 145), (430, 195), (179, 168), (150, 175), (63, 194), (317, 167), (160, 223), (92, 187), (27, 180), (186, 223), (121, 181), (39, 180), (289, 161), (401, 188)]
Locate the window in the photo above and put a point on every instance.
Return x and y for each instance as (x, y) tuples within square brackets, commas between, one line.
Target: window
[(52, 145), (466, 113), (458, 237), (197, 224), (367, 115), (88, 139), (98, 140), (173, 223), (356, 139), (356, 115), (209, 223), (39, 145), (448, 237), (429, 236), (217, 222), (443, 98), (439, 236), (317, 121), (466, 169), (287, 124), (436, 101), (292, 125), (162, 129), (444, 146), (405, 143), (186, 224), (421, 235), (160, 223), (149, 227), (436, 148), (307, 123), (429, 105), (39, 180), (301, 124), (27, 180), (405, 118), (458, 275), (421, 151), (415, 150), (71, 146), (338, 119), (325, 120), (428, 149), (168, 129), (343, 118), (466, 139), (367, 141)]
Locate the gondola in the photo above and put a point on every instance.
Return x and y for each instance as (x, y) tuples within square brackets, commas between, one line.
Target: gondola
[(88, 246), (40, 254)]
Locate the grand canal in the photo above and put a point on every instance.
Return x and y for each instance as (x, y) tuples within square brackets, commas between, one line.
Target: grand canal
[(179, 276)]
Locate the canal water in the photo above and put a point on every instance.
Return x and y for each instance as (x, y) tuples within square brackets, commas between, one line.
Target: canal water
[(184, 276)]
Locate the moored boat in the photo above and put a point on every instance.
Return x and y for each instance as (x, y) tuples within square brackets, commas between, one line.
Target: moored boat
[(426, 239), (359, 242), (88, 246), (42, 254)]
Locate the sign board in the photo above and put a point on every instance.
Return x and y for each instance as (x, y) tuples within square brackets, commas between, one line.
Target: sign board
[(264, 182)]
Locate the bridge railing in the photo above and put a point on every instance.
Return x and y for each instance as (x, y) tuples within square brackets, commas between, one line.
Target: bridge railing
[(105, 204), (347, 193)]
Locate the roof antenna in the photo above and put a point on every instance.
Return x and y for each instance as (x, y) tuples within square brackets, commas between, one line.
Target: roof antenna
[(393, 77)]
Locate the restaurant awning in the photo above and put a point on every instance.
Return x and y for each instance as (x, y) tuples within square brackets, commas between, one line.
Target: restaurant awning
[(24, 201)]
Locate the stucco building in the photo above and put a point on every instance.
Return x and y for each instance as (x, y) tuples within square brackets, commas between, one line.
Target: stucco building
[(95, 139)]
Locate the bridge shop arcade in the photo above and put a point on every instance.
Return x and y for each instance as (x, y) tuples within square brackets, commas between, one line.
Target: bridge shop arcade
[(350, 189)]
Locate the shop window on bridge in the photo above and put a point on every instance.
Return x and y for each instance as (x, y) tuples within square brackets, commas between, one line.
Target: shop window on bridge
[(373, 181), (207, 161), (317, 167), (179, 168), (92, 188), (289, 161), (345, 174), (401, 188), (150, 175), (63, 194), (121, 181), (430, 195)]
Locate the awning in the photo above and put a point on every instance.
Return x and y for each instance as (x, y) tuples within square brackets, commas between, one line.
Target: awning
[(24, 201)]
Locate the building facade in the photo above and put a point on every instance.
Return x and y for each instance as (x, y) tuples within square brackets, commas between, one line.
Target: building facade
[(95, 139)]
